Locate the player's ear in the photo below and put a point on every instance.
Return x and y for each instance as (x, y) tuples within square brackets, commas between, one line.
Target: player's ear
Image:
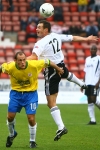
[(46, 29)]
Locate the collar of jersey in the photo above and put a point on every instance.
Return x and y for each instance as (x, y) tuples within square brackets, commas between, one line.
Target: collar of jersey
[(93, 56), (19, 68)]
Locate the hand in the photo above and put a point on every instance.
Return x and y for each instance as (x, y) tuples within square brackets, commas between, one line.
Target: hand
[(97, 86), (60, 71), (92, 38), (81, 89)]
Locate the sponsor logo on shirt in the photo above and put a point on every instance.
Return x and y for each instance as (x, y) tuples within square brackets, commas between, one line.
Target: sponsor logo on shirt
[(89, 65), (36, 47), (29, 74)]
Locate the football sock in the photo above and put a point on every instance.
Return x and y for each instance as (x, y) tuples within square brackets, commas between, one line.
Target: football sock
[(11, 128), (32, 131), (91, 112), (55, 112), (72, 78)]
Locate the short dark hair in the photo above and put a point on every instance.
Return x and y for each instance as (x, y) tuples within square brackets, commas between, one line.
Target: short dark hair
[(93, 47), (46, 24), (19, 53)]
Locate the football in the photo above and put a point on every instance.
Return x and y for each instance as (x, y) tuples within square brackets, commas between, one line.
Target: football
[(46, 10)]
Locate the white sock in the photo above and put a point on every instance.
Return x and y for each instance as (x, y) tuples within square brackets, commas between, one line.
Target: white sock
[(97, 102), (91, 112), (55, 112), (32, 131), (73, 78), (11, 127)]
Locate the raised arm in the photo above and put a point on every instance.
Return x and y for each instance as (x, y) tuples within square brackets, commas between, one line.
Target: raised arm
[(49, 63), (33, 56), (89, 38)]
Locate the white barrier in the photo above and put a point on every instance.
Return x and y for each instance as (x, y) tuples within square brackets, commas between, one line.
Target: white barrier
[(69, 93), (63, 98)]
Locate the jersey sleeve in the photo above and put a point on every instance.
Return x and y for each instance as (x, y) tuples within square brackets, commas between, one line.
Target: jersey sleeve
[(39, 65), (65, 37), (5, 68), (37, 49)]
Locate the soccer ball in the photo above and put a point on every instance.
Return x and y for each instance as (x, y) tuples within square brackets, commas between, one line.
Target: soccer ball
[(46, 10)]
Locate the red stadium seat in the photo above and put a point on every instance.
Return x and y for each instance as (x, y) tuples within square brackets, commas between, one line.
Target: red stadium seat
[(65, 6), (50, 18), (16, 26), (5, 16), (83, 16), (24, 15), (75, 16), (9, 58), (23, 7), (27, 50), (72, 60), (80, 60), (2, 59), (92, 16), (21, 36), (15, 16), (16, 6), (17, 48), (82, 74), (80, 53), (5, 5), (76, 73), (87, 52), (6, 26), (68, 23), (9, 52), (31, 40), (2, 52), (73, 6), (81, 67), (69, 46), (4, 76), (20, 1), (67, 16)]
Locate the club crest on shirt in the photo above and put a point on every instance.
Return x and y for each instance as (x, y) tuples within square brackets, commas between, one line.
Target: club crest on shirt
[(29, 74), (36, 47)]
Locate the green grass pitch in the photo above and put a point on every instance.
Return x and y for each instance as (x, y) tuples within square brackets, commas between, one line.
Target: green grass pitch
[(75, 116)]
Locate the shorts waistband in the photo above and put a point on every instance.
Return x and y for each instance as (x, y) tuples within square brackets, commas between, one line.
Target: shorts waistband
[(61, 62), (23, 91)]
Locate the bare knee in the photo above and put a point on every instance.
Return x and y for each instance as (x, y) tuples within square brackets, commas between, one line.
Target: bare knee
[(31, 120), (10, 117), (51, 100)]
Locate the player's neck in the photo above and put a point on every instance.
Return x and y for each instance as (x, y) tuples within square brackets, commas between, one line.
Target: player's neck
[(93, 56)]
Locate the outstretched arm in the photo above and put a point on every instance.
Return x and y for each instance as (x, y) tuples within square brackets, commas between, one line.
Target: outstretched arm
[(49, 63), (33, 56), (89, 38)]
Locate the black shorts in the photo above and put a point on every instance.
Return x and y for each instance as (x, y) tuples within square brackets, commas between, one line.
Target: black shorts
[(91, 91), (52, 79)]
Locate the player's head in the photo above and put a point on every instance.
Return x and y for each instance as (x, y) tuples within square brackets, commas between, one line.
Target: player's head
[(43, 28), (93, 50), (20, 60)]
